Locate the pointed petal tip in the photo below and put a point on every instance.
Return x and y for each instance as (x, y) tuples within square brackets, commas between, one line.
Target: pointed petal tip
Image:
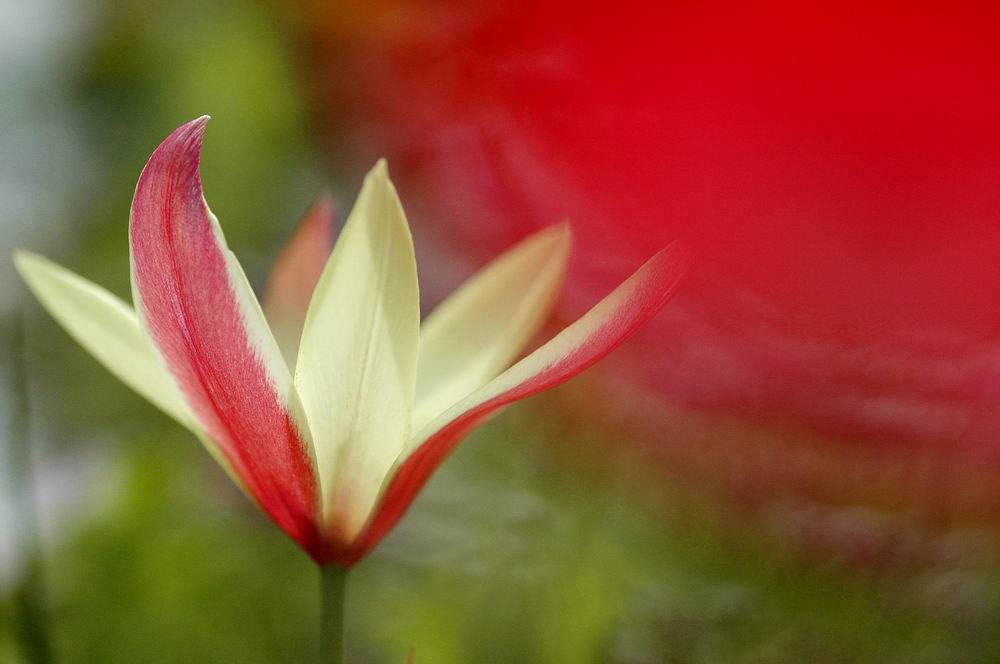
[(194, 127), (378, 187), (562, 243), (380, 172), (557, 238), (564, 230), (189, 132), (27, 263), (681, 253), (185, 141), (22, 257), (175, 162), (325, 207)]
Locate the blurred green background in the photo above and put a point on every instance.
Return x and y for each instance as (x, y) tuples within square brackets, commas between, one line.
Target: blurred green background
[(552, 536)]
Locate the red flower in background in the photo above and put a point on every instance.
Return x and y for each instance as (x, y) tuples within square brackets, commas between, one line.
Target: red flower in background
[(839, 163)]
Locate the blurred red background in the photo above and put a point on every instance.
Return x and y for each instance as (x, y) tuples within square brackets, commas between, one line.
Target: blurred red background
[(838, 164)]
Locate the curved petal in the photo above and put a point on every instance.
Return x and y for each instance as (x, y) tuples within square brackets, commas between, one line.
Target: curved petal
[(107, 328), (202, 316), (357, 363), (574, 349), (481, 328), (295, 274)]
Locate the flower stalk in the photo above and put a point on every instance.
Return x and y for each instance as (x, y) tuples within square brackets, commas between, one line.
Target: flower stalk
[(332, 591)]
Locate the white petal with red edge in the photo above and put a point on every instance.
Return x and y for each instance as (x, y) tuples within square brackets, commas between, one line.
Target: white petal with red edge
[(197, 307), (583, 343)]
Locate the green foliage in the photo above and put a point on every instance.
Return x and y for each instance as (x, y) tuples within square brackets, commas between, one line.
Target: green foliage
[(173, 574), (514, 554)]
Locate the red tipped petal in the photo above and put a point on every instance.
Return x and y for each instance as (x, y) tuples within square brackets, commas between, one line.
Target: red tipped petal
[(295, 274), (206, 324), (574, 349)]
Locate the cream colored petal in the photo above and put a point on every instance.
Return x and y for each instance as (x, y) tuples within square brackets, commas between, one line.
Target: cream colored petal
[(110, 330), (481, 328), (356, 367), (107, 328)]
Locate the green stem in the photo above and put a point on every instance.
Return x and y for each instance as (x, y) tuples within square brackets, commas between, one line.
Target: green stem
[(333, 583)]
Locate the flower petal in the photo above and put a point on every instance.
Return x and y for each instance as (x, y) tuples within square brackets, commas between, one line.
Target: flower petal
[(201, 314), (294, 275), (481, 328), (107, 328), (357, 363), (574, 349)]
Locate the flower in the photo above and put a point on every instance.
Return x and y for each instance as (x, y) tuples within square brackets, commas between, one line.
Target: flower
[(332, 405)]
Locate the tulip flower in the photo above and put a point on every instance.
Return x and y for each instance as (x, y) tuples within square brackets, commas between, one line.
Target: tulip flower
[(331, 405)]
